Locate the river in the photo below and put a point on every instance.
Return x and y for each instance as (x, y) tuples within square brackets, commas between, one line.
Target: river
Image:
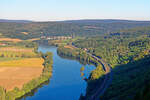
[(66, 82)]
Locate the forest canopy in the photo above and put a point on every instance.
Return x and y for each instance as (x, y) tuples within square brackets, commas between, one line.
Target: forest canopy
[(65, 28)]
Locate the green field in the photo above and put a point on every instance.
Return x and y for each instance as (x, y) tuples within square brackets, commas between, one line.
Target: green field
[(7, 59), (17, 52)]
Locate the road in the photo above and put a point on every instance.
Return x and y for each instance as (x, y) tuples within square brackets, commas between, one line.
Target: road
[(107, 78)]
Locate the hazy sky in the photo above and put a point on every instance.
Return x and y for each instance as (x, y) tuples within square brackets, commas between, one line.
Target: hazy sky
[(48, 10)]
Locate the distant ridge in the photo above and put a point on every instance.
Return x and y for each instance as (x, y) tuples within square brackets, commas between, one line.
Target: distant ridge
[(79, 21), (15, 21), (105, 21)]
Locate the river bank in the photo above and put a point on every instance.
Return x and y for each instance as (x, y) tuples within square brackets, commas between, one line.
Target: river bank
[(96, 77), (66, 81), (30, 85)]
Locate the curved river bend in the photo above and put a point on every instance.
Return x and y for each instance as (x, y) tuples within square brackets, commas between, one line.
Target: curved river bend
[(66, 82)]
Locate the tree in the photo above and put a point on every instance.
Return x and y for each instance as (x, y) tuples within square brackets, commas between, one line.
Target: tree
[(82, 69), (2, 93)]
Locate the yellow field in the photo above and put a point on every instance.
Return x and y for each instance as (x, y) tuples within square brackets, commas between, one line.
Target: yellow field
[(16, 73), (27, 62), (18, 65), (10, 39)]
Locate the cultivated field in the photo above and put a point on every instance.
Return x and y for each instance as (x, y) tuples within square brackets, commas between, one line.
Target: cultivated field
[(68, 46), (15, 73), (18, 65), (12, 52), (10, 39), (28, 62), (16, 49)]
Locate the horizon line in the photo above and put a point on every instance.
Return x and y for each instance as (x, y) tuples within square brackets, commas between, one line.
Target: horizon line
[(73, 19)]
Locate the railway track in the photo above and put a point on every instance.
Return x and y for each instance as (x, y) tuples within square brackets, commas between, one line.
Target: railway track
[(107, 78)]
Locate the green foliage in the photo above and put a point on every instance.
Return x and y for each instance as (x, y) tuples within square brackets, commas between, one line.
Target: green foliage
[(97, 73), (82, 55), (128, 51), (11, 54), (82, 69), (76, 54), (2, 93), (37, 29), (143, 94), (115, 49), (14, 53)]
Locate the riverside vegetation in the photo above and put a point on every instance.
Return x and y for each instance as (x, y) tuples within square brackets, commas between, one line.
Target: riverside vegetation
[(26, 53), (82, 56), (127, 51)]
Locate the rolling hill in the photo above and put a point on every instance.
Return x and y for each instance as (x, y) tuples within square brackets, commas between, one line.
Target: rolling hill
[(27, 30)]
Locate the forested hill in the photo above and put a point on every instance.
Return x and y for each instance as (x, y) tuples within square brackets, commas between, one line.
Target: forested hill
[(128, 52), (106, 21), (76, 27)]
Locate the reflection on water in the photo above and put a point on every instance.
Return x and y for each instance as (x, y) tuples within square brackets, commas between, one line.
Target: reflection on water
[(66, 82), (82, 72), (71, 58), (33, 91)]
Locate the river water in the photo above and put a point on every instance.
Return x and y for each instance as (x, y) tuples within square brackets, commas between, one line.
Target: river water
[(66, 82)]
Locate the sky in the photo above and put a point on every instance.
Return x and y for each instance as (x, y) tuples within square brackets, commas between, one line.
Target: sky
[(54, 10)]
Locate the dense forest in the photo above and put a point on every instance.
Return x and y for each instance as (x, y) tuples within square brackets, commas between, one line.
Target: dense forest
[(127, 51), (78, 28), (119, 48)]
